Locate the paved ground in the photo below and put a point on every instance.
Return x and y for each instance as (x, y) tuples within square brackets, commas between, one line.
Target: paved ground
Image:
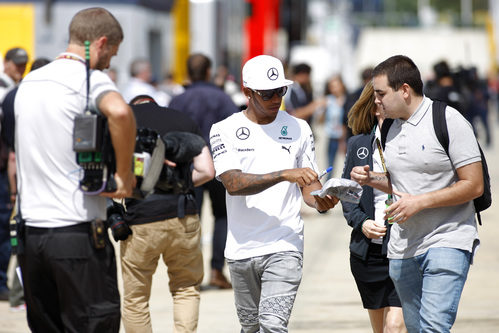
[(328, 300)]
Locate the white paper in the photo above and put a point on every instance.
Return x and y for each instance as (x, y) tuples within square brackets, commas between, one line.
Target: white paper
[(344, 189)]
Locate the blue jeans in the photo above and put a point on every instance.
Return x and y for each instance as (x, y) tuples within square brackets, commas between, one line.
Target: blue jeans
[(331, 153), (430, 286), (265, 288)]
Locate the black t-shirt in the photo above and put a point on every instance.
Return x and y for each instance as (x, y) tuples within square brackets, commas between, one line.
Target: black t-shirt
[(7, 128), (448, 94), (158, 207), (299, 97), (8, 118)]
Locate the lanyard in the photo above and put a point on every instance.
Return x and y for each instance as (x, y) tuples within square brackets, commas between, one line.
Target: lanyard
[(389, 201), (86, 64), (381, 155), (70, 57)]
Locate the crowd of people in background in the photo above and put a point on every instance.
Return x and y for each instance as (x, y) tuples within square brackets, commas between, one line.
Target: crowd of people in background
[(465, 91), (459, 87)]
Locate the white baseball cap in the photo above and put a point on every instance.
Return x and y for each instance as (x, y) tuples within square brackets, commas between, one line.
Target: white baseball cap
[(264, 72)]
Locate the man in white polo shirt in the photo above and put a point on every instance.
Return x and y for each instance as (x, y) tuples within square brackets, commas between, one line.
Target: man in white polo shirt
[(266, 160), (70, 284)]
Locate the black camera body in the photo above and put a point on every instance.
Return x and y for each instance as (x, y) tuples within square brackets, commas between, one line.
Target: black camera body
[(153, 175), (94, 153), (116, 222)]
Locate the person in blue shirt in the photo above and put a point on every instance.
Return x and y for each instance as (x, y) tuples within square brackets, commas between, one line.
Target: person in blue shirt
[(207, 104)]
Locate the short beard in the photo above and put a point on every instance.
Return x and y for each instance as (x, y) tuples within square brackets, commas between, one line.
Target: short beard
[(101, 64)]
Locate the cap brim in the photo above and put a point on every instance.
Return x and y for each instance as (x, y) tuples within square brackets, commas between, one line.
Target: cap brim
[(271, 85), (20, 61)]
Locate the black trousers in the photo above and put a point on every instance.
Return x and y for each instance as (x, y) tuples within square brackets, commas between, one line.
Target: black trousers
[(217, 197), (5, 210), (69, 285)]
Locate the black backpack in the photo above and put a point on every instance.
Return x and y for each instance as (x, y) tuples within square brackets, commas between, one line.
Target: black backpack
[(440, 125)]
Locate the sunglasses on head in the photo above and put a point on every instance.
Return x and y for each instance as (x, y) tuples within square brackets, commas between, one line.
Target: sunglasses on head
[(268, 94)]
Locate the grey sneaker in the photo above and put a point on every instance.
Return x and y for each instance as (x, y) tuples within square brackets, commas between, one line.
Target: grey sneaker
[(18, 308)]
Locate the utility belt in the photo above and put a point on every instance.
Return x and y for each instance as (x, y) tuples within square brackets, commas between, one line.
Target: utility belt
[(160, 207), (182, 201), (77, 228), (96, 229), (17, 233), (181, 197)]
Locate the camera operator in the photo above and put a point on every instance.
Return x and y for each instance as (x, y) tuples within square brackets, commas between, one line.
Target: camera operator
[(166, 223), (68, 267)]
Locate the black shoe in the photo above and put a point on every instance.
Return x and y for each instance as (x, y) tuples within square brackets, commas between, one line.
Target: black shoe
[(219, 280)]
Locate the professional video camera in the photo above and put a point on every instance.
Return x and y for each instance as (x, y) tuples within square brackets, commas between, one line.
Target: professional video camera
[(95, 154), (148, 161), (153, 175), (150, 152)]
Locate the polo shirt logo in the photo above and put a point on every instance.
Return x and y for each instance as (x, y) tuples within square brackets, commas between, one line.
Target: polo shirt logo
[(284, 130), (242, 133)]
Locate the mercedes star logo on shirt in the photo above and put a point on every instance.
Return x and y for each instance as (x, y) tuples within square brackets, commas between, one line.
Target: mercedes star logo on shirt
[(242, 133), (272, 74), (362, 153)]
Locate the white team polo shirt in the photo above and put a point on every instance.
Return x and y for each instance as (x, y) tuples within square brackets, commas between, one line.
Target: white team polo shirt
[(269, 221)]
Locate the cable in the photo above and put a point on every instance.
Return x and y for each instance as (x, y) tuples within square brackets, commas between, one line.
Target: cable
[(87, 62)]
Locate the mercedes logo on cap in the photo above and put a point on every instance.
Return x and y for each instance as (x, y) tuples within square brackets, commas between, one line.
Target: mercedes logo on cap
[(362, 153), (242, 133), (272, 74)]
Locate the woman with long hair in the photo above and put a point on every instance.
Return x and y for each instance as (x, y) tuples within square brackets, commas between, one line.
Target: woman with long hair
[(370, 232)]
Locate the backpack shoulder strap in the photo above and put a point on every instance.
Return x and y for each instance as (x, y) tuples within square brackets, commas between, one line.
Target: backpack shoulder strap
[(384, 130), (440, 124)]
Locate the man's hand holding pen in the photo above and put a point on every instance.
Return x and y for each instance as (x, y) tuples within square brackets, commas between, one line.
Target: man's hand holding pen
[(324, 204)]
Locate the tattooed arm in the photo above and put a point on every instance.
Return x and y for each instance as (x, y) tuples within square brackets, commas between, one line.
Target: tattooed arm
[(364, 176), (238, 183)]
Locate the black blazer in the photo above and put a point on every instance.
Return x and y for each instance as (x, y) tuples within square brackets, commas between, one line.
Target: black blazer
[(359, 153)]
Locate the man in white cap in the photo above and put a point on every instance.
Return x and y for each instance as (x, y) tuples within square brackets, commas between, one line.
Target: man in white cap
[(266, 160)]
